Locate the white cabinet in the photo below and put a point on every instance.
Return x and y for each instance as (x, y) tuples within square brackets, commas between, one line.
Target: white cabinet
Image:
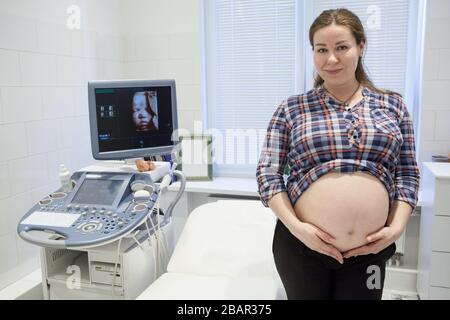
[(433, 279)]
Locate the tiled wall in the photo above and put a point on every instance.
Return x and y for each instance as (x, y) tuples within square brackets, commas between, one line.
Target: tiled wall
[(163, 42), (44, 69), (435, 112)]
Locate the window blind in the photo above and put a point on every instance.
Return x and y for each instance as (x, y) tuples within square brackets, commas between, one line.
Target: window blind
[(254, 69)]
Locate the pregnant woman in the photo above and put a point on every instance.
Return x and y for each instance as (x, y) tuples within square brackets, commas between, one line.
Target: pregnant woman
[(353, 179)]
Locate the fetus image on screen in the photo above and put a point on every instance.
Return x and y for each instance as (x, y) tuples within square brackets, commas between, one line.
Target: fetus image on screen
[(145, 111)]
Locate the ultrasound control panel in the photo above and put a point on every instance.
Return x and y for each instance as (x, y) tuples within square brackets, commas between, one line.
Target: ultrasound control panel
[(101, 207)]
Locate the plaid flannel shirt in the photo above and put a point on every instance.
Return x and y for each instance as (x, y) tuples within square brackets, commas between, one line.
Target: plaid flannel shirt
[(315, 134)]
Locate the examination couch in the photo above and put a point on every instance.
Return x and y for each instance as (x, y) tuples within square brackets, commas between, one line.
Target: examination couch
[(224, 253)]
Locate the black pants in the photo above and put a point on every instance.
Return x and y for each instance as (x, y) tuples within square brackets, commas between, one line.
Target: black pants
[(308, 274)]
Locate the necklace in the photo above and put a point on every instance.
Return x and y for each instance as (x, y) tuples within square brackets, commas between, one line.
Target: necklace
[(345, 103)]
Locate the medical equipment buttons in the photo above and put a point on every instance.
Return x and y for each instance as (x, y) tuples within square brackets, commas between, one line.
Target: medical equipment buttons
[(140, 207), (120, 224), (141, 195), (93, 211), (108, 213), (45, 201), (102, 211), (58, 195), (89, 227)]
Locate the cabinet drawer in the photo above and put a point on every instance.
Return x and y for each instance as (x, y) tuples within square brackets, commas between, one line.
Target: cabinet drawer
[(441, 234), (442, 197), (440, 269), (437, 293)]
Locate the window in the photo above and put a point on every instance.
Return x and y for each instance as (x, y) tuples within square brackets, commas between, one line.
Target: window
[(258, 54)]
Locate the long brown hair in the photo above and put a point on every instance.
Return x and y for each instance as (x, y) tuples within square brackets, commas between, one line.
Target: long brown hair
[(346, 18)]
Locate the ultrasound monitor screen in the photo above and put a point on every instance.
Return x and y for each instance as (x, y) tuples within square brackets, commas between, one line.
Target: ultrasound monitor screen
[(97, 191), (133, 117)]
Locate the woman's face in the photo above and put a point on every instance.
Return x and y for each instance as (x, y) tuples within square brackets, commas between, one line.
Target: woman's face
[(336, 54), (141, 113)]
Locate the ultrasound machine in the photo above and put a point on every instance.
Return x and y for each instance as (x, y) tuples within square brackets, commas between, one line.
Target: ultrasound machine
[(108, 237)]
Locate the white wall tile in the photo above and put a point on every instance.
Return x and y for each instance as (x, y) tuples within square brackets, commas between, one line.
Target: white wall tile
[(26, 251), (431, 64), (12, 141), (74, 132), (21, 104), (111, 69), (184, 46), (17, 33), (186, 120), (141, 70), (435, 36), (58, 102), (184, 19), (129, 48), (53, 38), (443, 125), (1, 107), (428, 124), (94, 69), (183, 71), (42, 136), (108, 47), (188, 97), (9, 252), (5, 187), (81, 101), (18, 205), (5, 221), (82, 43), (438, 9), (152, 47), (38, 69), (444, 64), (433, 93), (28, 173), (72, 71), (10, 69)]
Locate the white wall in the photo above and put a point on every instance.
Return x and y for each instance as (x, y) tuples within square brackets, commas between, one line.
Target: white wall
[(163, 42), (435, 107), (44, 68)]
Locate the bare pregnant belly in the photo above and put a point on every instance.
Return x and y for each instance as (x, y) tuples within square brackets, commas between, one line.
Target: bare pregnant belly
[(348, 206)]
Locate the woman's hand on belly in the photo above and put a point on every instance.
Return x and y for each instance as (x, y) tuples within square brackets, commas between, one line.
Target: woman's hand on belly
[(376, 242), (318, 240)]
